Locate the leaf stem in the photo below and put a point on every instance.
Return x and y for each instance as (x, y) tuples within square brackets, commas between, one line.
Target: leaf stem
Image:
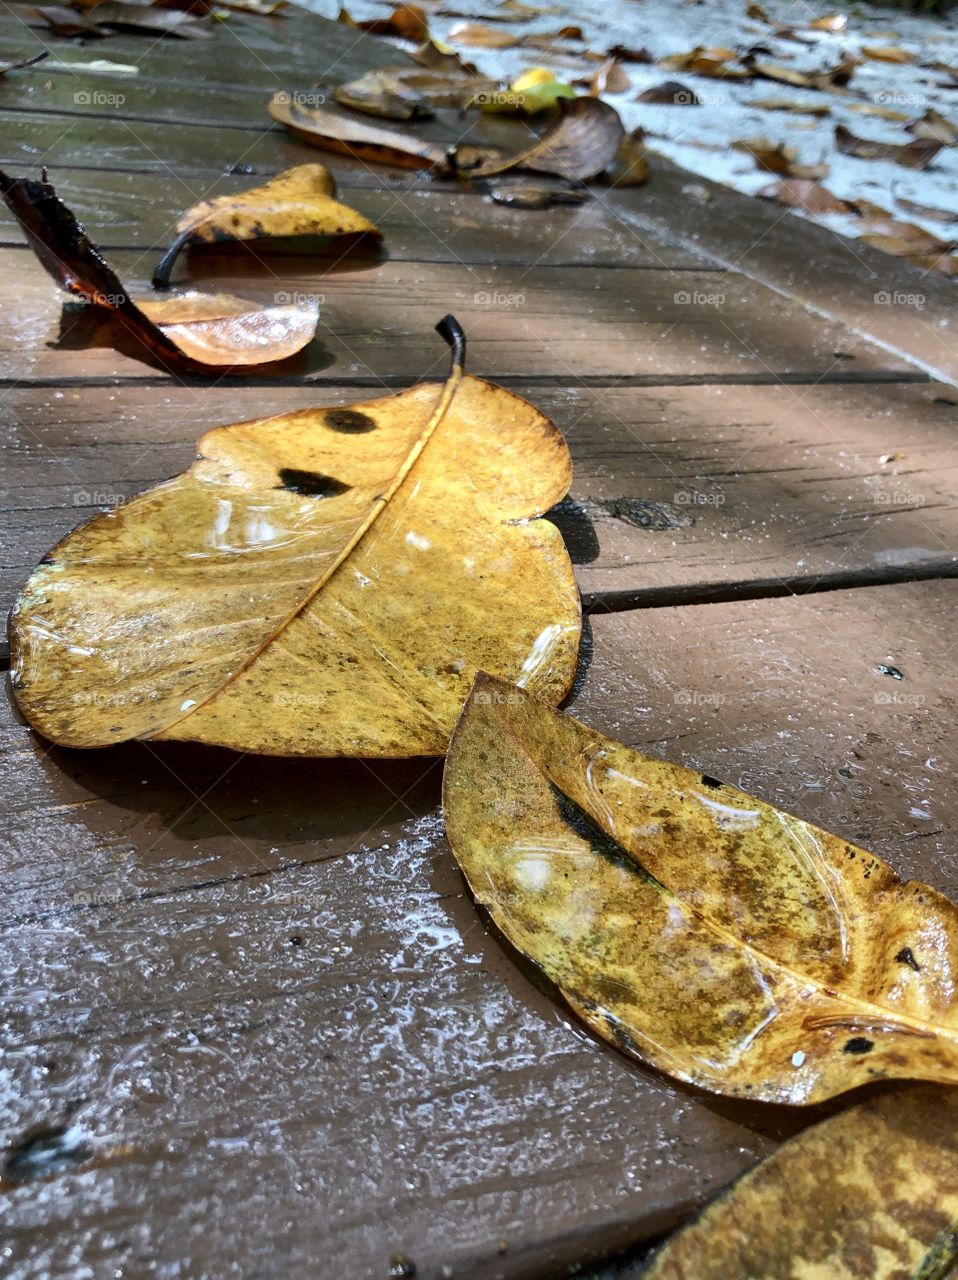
[(450, 330), (161, 276)]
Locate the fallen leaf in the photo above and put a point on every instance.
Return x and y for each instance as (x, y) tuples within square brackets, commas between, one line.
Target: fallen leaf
[(535, 195), (194, 333), (298, 202), (887, 53), (68, 22), (582, 142), (264, 8), (569, 33), (725, 942), (670, 93), (630, 167), (610, 78), (706, 62), (757, 12), (894, 1158), (27, 62), (441, 58), (776, 157), (407, 93), (150, 18), (831, 22), (481, 36), (802, 193), (787, 104), (830, 79), (913, 155), (335, 132), (936, 126), (877, 109), (927, 210), (406, 22), (536, 90), (520, 11), (249, 635), (624, 53)]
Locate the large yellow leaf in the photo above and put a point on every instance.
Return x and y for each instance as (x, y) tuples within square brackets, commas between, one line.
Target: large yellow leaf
[(725, 942), (871, 1194), (321, 583)]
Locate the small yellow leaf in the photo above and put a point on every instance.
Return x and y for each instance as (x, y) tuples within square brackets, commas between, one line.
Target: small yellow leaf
[(871, 1194), (725, 942), (324, 583), (534, 91)]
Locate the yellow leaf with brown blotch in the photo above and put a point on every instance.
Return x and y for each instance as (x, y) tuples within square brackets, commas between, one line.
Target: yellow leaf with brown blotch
[(723, 941), (870, 1194), (298, 202), (322, 583)]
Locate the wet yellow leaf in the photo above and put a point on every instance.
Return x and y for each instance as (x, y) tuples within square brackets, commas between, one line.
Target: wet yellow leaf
[(534, 91), (871, 1194), (725, 942), (322, 583), (298, 202)]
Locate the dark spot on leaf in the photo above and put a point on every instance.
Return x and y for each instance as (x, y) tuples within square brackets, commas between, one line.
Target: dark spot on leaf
[(709, 781), (907, 956), (597, 839), (311, 484), (859, 1044), (349, 421), (46, 1150)]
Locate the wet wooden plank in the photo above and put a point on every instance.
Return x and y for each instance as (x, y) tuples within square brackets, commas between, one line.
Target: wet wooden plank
[(696, 489), (281, 990), (436, 222), (377, 318)]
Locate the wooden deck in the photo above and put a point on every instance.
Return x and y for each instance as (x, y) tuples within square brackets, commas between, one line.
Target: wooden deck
[(254, 991)]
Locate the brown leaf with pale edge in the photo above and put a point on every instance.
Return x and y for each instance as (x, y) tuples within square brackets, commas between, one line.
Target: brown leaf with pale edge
[(335, 132), (706, 62), (912, 155), (582, 142), (870, 1194), (297, 202), (324, 583), (802, 193), (721, 940), (887, 53), (786, 104), (832, 22), (151, 19), (831, 79), (406, 22), (27, 62), (195, 333), (481, 36)]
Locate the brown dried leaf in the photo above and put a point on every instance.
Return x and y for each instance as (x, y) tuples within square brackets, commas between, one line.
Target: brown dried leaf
[(626, 54), (670, 93), (68, 22), (776, 157), (894, 1158), (732, 945), (887, 53), (406, 22), (912, 155), (582, 142), (535, 195), (298, 202), (934, 125), (706, 62), (193, 333), (830, 79), (877, 109), (787, 104), (630, 168), (482, 37), (832, 22), (610, 78), (151, 19), (802, 193), (927, 210)]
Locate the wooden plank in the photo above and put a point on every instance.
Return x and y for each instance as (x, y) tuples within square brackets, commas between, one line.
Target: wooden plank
[(733, 485), (562, 323), (438, 223), (281, 990)]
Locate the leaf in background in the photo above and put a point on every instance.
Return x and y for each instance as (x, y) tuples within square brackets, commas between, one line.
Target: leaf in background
[(877, 109), (670, 93), (802, 193), (582, 142), (481, 36), (610, 78), (68, 22), (324, 583), (887, 53), (786, 104), (870, 1194), (776, 157), (297, 202), (536, 90), (912, 155), (194, 333), (535, 195), (721, 940), (830, 79), (706, 62), (406, 22), (630, 168), (151, 19), (408, 93), (934, 125), (831, 22)]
